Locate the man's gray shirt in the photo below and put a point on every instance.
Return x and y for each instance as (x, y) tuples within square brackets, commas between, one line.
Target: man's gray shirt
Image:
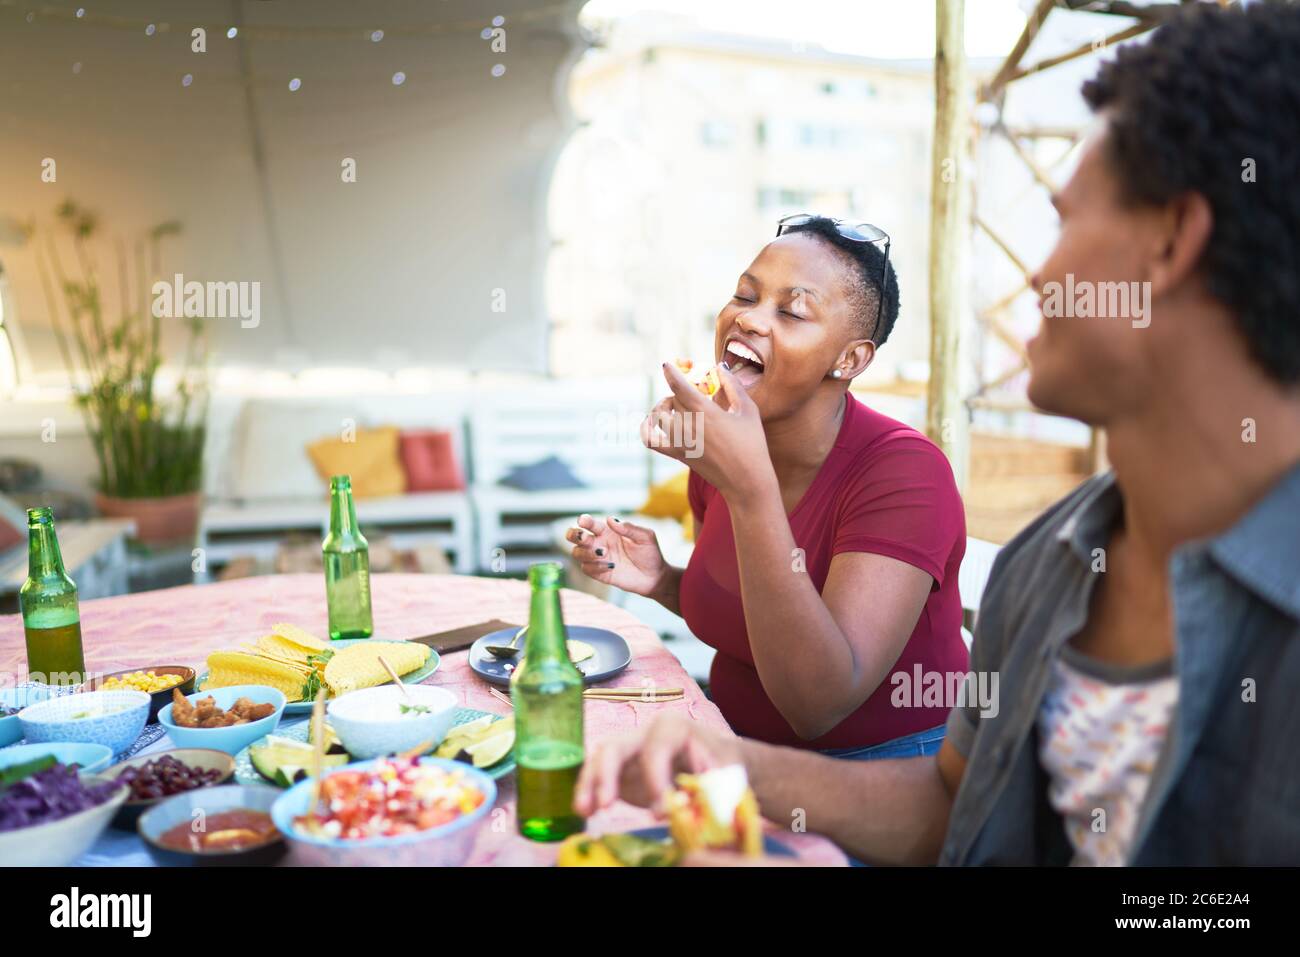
[(1226, 789)]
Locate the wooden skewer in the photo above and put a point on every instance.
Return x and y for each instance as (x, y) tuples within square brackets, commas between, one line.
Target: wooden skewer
[(396, 680), (318, 749)]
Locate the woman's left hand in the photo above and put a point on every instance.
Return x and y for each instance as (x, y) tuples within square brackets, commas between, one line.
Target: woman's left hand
[(726, 446)]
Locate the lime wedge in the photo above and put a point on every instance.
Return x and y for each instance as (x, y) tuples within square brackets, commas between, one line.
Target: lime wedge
[(491, 749), (470, 727)]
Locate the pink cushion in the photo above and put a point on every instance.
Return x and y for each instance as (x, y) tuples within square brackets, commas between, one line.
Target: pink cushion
[(429, 458)]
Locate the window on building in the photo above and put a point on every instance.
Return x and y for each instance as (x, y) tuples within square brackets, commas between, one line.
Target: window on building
[(717, 133), (783, 197)]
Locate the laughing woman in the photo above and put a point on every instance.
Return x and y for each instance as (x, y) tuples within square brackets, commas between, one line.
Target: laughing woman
[(828, 535)]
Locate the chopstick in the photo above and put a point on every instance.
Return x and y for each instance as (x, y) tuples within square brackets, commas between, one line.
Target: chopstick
[(648, 692), (633, 695)]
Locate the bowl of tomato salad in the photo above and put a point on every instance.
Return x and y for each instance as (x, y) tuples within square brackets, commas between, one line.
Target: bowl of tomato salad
[(395, 811)]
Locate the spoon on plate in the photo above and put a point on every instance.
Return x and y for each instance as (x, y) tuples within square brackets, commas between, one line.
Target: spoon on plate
[(507, 651)]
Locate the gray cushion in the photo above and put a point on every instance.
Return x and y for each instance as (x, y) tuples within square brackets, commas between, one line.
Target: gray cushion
[(549, 473)]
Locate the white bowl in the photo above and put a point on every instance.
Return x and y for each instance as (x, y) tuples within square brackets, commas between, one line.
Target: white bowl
[(363, 723), (59, 843)]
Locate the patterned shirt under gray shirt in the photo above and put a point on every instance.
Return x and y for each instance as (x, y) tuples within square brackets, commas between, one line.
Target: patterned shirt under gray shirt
[(1220, 786)]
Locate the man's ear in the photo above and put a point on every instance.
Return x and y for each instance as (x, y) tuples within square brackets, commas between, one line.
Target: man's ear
[(1183, 231), (856, 358)]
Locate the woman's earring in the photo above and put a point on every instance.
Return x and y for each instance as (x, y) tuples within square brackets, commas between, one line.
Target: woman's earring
[(837, 374)]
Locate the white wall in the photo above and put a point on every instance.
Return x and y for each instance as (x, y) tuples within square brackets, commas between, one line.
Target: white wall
[(397, 269)]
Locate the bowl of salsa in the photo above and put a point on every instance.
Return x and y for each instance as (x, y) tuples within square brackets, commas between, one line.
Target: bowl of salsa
[(401, 811), (234, 827)]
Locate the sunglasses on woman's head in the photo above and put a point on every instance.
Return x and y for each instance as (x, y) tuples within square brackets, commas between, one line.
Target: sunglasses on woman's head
[(854, 232)]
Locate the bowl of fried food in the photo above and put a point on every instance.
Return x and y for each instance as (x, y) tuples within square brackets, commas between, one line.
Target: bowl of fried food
[(225, 719), (157, 681)]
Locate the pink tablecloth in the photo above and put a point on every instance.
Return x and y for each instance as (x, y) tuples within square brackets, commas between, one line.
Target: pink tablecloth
[(182, 625)]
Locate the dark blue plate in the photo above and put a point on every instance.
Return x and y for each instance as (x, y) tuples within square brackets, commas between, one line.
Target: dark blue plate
[(771, 847), (612, 654)]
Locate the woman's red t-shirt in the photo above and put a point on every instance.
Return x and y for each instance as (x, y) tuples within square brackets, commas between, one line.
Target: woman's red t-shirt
[(885, 489)]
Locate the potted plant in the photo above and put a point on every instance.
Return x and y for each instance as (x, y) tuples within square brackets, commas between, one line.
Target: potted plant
[(148, 439)]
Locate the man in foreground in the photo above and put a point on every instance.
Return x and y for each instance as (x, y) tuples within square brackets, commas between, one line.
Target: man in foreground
[(1146, 629)]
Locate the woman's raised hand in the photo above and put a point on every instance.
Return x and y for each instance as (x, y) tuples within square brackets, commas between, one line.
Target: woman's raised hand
[(618, 553), (721, 441)]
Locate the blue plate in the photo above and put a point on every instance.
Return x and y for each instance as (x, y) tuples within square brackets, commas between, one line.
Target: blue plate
[(304, 707), (11, 728), (771, 847), (612, 654), (245, 773), (92, 758)]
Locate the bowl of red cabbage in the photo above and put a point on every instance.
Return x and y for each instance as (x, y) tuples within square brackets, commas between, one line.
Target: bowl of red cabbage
[(50, 813)]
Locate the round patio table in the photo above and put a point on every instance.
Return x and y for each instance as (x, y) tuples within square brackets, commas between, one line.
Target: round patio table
[(183, 625)]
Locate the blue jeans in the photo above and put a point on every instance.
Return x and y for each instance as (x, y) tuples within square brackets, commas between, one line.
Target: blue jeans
[(915, 745)]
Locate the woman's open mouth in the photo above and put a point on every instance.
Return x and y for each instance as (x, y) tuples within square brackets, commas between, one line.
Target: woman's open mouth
[(743, 362)]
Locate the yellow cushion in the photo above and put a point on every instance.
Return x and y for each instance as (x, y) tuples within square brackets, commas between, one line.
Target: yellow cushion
[(372, 460), (668, 499)]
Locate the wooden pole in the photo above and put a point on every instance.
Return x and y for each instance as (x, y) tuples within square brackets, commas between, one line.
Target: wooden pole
[(946, 418), (1009, 65)]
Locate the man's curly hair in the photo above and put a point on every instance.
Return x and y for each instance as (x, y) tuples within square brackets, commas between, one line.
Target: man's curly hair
[(1213, 93)]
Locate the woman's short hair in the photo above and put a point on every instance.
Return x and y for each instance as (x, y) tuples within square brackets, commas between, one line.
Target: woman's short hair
[(865, 261)]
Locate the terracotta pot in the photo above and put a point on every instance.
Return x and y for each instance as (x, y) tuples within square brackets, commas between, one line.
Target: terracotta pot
[(158, 521)]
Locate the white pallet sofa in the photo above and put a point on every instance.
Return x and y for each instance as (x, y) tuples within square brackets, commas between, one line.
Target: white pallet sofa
[(261, 486), (591, 426)]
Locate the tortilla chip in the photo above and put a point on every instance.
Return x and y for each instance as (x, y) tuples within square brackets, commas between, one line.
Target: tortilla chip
[(276, 646), (302, 639)]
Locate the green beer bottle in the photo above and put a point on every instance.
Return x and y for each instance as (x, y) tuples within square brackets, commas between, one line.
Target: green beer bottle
[(546, 690), (347, 566), (48, 600)]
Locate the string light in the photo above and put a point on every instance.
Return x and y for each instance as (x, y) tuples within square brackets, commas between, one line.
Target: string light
[(294, 84), (232, 33), (399, 78), (376, 36), (281, 32)]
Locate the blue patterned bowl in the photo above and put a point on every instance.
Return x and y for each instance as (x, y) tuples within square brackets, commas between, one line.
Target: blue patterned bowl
[(114, 718)]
